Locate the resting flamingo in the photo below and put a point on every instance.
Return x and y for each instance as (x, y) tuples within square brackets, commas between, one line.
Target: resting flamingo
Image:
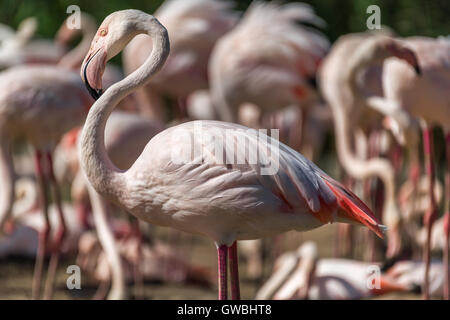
[(348, 98), (302, 275), (194, 27), (202, 194)]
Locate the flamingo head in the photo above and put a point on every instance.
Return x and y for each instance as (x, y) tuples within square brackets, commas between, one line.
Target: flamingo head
[(378, 48), (397, 49), (112, 36)]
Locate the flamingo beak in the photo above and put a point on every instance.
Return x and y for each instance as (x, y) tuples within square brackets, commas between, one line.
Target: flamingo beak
[(409, 57), (92, 71)]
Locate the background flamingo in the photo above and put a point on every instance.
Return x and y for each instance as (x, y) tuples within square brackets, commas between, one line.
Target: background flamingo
[(349, 56), (194, 27)]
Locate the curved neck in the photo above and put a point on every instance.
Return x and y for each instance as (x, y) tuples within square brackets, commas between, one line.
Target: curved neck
[(105, 177), (363, 169)]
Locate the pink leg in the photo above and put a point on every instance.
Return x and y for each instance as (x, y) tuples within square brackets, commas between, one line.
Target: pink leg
[(234, 272), (61, 232), (447, 220), (44, 233), (222, 266), (430, 216)]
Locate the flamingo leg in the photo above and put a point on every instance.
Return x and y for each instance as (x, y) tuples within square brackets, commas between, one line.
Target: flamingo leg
[(222, 251), (61, 232), (447, 220), (44, 233), (234, 272), (430, 215)]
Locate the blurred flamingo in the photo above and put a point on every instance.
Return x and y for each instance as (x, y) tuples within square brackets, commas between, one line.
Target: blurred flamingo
[(301, 275), (40, 104), (341, 85), (194, 27), (425, 98), (20, 48), (268, 60)]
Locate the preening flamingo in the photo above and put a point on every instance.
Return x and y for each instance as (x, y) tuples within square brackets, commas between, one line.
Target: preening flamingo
[(203, 194), (194, 27), (340, 84), (426, 98), (40, 104), (267, 60)]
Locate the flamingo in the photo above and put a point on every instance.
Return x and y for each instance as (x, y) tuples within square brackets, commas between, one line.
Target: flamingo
[(203, 195), (40, 104), (410, 272), (20, 48), (425, 98), (267, 60), (154, 258), (194, 27), (29, 222), (349, 57), (301, 275)]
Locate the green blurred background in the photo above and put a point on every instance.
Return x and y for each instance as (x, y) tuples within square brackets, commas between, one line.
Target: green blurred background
[(407, 17)]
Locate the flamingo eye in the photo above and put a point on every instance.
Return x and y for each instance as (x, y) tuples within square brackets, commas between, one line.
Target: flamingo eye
[(103, 32)]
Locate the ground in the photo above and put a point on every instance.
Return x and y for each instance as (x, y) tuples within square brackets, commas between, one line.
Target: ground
[(16, 274)]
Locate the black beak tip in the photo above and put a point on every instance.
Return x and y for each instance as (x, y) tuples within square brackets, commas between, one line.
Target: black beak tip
[(418, 70), (95, 93)]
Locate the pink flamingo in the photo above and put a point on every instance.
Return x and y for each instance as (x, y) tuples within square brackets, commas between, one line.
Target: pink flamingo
[(194, 27), (302, 275), (20, 48), (348, 98), (154, 258), (29, 222), (203, 195), (425, 98), (266, 60), (39, 103)]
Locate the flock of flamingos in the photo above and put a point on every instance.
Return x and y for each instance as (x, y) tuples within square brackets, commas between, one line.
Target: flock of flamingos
[(199, 63)]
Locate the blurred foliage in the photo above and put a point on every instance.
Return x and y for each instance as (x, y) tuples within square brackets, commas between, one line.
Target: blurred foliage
[(407, 17)]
